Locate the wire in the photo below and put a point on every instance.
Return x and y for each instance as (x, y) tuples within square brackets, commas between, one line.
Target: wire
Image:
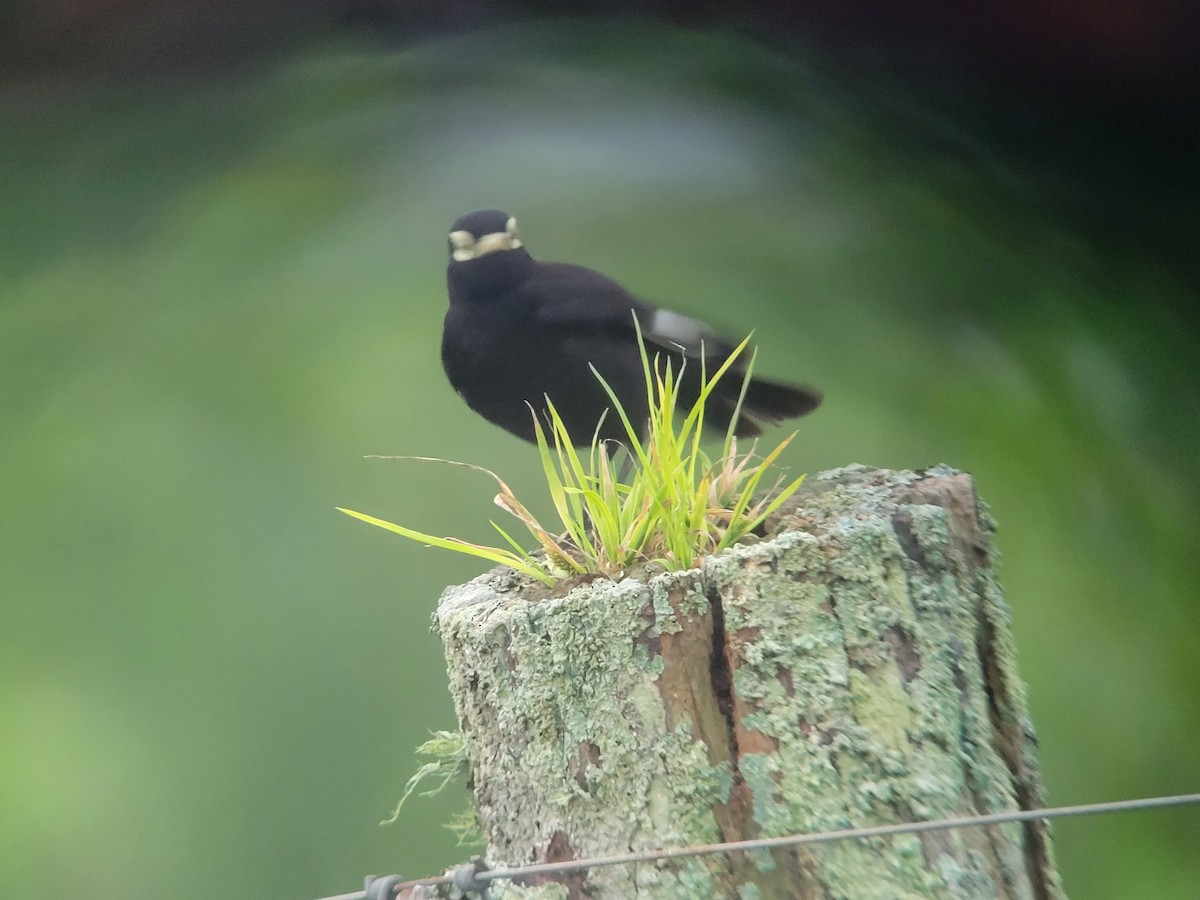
[(796, 840)]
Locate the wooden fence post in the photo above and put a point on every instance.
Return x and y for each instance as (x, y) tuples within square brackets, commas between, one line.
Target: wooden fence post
[(853, 667)]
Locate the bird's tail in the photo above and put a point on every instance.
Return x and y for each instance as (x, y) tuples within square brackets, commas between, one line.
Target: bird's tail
[(765, 403)]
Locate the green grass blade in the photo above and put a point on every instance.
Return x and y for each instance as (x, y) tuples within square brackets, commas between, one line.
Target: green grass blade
[(493, 554)]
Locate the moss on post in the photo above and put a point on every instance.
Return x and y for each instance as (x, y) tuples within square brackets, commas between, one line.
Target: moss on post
[(854, 667)]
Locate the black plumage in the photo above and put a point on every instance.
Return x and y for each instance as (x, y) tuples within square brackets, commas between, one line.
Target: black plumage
[(518, 330)]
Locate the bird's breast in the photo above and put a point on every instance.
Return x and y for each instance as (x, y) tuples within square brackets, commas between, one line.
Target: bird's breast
[(492, 360), (478, 342), (501, 365)]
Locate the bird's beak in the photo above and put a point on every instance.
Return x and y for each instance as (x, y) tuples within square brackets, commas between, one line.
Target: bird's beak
[(466, 246)]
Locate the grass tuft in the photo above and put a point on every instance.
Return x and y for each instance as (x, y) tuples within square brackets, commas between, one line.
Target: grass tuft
[(676, 505)]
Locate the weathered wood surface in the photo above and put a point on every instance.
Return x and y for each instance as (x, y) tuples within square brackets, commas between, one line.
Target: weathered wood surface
[(854, 667)]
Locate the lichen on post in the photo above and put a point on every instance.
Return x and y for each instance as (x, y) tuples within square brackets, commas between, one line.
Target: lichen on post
[(854, 666)]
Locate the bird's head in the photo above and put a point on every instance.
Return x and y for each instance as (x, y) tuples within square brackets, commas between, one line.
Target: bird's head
[(482, 233), (485, 253)]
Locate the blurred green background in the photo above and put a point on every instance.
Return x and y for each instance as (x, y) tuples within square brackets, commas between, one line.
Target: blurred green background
[(220, 289)]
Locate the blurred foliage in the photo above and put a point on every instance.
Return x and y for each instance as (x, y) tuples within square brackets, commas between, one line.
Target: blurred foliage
[(217, 293)]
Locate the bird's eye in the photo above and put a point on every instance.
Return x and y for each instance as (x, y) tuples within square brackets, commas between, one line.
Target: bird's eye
[(461, 240)]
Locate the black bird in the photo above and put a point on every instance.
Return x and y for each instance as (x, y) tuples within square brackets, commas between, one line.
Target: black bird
[(519, 330)]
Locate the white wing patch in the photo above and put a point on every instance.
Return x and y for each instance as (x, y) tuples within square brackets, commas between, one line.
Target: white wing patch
[(668, 327)]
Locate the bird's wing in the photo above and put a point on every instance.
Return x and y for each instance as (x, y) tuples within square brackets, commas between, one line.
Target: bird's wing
[(575, 298), (695, 339)]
